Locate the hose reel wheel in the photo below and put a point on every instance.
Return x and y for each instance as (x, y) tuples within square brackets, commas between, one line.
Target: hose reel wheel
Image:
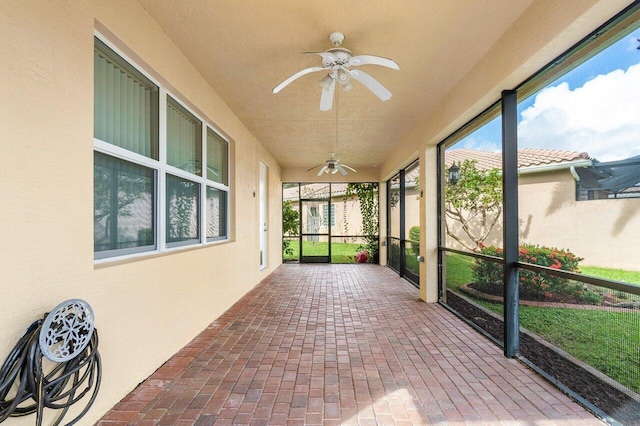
[(67, 330)]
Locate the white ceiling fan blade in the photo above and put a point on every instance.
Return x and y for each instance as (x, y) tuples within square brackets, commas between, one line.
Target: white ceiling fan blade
[(322, 170), (372, 84), (341, 170), (326, 99), (373, 60), (299, 74), (350, 168)]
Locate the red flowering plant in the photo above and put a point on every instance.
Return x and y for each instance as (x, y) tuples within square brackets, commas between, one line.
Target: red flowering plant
[(533, 285), (362, 256)]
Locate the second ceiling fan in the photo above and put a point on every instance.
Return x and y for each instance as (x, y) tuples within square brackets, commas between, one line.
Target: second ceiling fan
[(338, 61), (333, 166)]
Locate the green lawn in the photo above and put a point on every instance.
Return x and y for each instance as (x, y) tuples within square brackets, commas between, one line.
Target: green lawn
[(632, 277), (340, 252), (458, 270), (606, 340)]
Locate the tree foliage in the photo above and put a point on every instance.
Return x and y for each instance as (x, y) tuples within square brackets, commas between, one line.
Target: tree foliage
[(414, 237), (367, 193), (475, 202), (290, 225)]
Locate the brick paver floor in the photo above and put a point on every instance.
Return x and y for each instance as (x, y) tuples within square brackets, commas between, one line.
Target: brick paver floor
[(343, 345)]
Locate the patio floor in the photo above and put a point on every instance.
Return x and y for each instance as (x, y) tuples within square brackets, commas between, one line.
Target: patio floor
[(343, 345)]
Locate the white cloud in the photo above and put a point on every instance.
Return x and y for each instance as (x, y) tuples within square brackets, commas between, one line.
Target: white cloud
[(479, 144), (601, 118)]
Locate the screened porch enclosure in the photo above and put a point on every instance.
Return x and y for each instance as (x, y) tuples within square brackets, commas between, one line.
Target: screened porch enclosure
[(538, 240), (330, 222)]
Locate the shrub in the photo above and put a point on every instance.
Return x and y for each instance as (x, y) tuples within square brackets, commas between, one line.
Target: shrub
[(414, 236), (533, 285), (362, 256), (290, 225), (394, 259)]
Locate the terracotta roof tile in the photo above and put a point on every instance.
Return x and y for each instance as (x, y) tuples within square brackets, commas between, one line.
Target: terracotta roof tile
[(527, 157)]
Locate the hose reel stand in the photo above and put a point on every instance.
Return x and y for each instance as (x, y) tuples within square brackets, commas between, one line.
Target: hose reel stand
[(67, 330), (67, 337)]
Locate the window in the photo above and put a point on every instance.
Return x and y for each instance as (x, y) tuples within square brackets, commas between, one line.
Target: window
[(325, 215), (183, 201), (216, 158), (216, 214), (184, 139), (123, 205), (156, 186), (125, 104)]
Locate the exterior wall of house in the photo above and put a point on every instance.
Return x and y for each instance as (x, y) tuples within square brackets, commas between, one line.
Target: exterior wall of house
[(603, 232), (347, 219), (412, 212), (145, 309)]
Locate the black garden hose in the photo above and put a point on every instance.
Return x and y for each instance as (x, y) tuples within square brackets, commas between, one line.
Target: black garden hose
[(66, 383)]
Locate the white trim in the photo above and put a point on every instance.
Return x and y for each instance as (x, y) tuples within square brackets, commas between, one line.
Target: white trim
[(124, 154), (575, 174), (203, 185), (554, 167), (120, 53), (161, 214)]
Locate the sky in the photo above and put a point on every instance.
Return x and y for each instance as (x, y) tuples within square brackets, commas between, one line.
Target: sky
[(594, 108)]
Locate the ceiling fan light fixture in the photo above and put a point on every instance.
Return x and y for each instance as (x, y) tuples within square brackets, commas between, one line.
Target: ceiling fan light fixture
[(343, 76), (326, 82), (346, 87)]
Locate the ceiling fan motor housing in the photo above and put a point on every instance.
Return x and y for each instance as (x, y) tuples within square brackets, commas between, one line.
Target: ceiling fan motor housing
[(336, 38), (338, 57)]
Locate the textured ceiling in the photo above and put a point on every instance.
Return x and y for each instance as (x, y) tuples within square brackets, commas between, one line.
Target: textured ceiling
[(245, 48)]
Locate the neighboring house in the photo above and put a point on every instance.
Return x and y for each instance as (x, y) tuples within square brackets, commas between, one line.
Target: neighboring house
[(341, 215), (571, 201), (346, 218)]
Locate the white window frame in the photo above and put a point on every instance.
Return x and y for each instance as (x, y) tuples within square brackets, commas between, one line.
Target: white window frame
[(161, 169), (329, 220)]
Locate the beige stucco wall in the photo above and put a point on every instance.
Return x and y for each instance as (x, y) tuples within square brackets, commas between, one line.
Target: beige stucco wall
[(604, 232), (146, 309)]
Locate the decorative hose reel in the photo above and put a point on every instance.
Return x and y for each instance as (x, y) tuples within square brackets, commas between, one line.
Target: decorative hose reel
[(66, 330), (68, 339)]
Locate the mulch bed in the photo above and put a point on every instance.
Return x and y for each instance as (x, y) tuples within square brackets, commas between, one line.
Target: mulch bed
[(581, 379)]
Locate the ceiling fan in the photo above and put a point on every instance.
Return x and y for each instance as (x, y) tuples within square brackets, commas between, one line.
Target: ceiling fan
[(338, 61), (333, 166)]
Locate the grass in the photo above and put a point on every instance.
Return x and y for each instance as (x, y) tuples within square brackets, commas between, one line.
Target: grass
[(606, 340), (340, 252), (632, 277), (458, 270)]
